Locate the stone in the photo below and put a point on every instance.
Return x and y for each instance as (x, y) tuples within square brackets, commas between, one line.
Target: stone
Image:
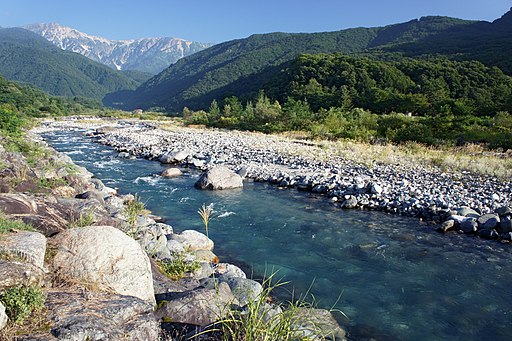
[(447, 225), (505, 225), (467, 212), (198, 163), (174, 157), (489, 234), (100, 316), (17, 273), (106, 256), (488, 221), (349, 203), (245, 290), (200, 307), (219, 178), (192, 240), (205, 256), (226, 270), (29, 247), (16, 203), (171, 173), (376, 189), (114, 204), (3, 317), (504, 211), (64, 191), (316, 324), (175, 246), (469, 226)]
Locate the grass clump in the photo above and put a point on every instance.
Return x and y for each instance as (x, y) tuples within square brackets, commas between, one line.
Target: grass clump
[(8, 225), (177, 267), (133, 209), (21, 301), (84, 219)]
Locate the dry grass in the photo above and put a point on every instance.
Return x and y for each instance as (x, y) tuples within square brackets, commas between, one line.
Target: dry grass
[(472, 158)]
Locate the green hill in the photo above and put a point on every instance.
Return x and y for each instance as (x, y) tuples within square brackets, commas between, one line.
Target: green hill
[(490, 43), (240, 67), (28, 58)]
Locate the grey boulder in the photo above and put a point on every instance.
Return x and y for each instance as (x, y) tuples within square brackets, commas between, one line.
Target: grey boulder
[(100, 316), (107, 257), (218, 178)]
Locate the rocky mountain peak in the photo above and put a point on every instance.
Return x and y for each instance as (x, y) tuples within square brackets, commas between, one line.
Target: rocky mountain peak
[(145, 54)]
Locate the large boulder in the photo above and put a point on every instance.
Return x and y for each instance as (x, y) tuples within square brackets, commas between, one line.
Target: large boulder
[(100, 316), (199, 307), (219, 177), (107, 257)]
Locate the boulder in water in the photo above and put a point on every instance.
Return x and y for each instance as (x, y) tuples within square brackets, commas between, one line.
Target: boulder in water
[(219, 177)]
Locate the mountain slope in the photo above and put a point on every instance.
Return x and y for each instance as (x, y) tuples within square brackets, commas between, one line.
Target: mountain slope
[(147, 54), (240, 67), (29, 58), (490, 43)]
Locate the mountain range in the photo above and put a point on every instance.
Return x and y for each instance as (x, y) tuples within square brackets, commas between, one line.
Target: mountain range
[(242, 67), (150, 55), (28, 58)]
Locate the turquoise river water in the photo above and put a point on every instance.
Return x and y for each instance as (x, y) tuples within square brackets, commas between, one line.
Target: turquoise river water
[(398, 279)]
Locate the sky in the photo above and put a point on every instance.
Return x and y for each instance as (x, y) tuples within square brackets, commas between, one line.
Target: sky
[(216, 21)]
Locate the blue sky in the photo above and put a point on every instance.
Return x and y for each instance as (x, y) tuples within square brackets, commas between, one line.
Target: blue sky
[(220, 20)]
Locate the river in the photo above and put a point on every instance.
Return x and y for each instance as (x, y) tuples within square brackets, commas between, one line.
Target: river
[(398, 279)]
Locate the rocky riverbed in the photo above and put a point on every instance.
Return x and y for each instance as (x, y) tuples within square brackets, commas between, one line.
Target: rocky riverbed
[(459, 201), (107, 268)]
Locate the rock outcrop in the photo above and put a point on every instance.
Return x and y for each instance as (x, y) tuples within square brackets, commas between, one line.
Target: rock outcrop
[(100, 316)]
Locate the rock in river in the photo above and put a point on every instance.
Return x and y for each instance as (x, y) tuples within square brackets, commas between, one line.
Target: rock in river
[(219, 177)]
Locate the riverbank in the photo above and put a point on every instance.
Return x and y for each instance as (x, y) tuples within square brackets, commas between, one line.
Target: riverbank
[(101, 266), (461, 200)]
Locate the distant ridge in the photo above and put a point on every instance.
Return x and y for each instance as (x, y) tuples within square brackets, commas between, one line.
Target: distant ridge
[(27, 57), (150, 55)]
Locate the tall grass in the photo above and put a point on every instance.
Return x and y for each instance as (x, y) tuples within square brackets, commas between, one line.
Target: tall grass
[(261, 321)]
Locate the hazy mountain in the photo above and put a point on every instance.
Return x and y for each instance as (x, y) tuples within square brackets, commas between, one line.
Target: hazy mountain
[(147, 54), (241, 67), (27, 57)]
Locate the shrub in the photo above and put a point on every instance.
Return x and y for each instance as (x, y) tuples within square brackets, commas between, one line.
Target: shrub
[(21, 301), (177, 266)]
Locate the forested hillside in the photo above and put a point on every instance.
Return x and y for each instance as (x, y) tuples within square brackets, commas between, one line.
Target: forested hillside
[(29, 58), (242, 66), (432, 100)]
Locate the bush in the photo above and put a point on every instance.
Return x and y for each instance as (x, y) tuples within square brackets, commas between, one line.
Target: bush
[(177, 267), (21, 301)]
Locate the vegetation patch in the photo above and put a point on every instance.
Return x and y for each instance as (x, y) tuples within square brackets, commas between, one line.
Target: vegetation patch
[(177, 267), (9, 225), (21, 301), (133, 209)]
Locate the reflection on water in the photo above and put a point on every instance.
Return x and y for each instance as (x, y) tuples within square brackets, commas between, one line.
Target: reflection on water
[(398, 280)]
